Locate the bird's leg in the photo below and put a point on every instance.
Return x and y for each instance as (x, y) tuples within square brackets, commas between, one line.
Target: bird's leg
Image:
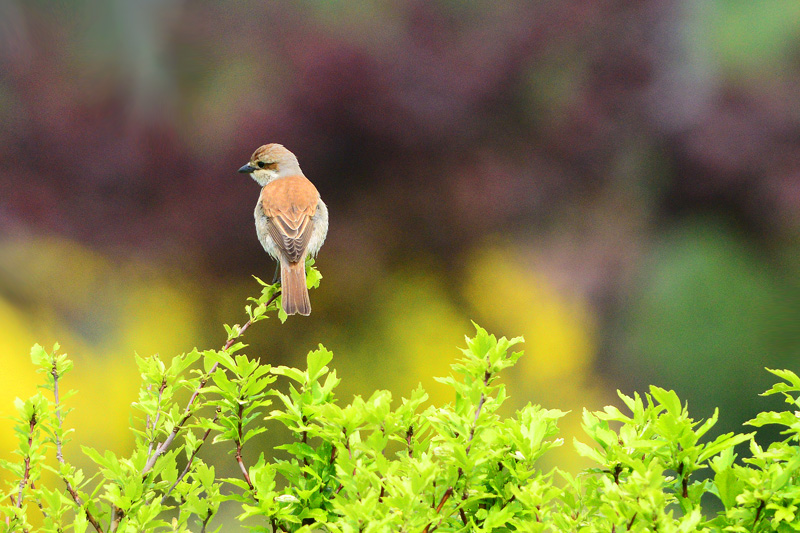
[(277, 275)]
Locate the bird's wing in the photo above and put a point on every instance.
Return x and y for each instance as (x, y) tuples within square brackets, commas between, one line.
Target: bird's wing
[(289, 204)]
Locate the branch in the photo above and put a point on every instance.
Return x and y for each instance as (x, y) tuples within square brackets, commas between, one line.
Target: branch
[(116, 517), (191, 458), (147, 418), (486, 376), (39, 502), (158, 414), (239, 448), (445, 496), (350, 454), (27, 473), (449, 492), (205, 523), (758, 513), (187, 413), (305, 441), (60, 455)]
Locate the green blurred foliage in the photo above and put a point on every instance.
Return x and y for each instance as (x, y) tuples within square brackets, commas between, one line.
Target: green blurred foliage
[(753, 38), (707, 316)]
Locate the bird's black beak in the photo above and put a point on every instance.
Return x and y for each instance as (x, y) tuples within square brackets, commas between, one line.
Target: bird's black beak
[(247, 169)]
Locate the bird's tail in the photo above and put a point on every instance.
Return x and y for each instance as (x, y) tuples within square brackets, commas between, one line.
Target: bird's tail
[(294, 292)]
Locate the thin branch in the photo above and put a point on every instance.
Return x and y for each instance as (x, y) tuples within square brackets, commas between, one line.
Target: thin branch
[(158, 415), (27, 473), (758, 513), (449, 492), (486, 376), (461, 509), (445, 496), (239, 448), (147, 418), (350, 454), (305, 441), (191, 458), (60, 455), (116, 517), (205, 522), (39, 502), (187, 413)]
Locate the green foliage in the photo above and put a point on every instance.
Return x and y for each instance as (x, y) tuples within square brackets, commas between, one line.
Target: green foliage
[(377, 465)]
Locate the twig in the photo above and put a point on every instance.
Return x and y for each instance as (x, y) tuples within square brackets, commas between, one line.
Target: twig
[(39, 502), (305, 441), (205, 522), (449, 492), (486, 376), (445, 497), (158, 415), (239, 448), (116, 517), (27, 473), (758, 513), (191, 458), (350, 454), (147, 418), (60, 455), (187, 413)]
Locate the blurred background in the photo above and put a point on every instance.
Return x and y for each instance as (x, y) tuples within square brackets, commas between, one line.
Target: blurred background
[(618, 181)]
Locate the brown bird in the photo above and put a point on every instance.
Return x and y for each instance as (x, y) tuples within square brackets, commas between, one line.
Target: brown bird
[(291, 220)]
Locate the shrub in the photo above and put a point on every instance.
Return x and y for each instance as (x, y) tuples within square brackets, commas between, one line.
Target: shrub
[(374, 465)]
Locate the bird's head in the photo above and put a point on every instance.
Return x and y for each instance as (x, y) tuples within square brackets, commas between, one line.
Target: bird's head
[(270, 162)]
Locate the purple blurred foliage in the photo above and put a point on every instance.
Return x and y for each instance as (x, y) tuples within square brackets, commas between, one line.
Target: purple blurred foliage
[(459, 120)]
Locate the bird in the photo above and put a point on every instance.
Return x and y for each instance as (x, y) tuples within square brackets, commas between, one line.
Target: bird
[(291, 220)]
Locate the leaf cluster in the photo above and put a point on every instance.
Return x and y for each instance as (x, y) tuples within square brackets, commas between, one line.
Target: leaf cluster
[(376, 464)]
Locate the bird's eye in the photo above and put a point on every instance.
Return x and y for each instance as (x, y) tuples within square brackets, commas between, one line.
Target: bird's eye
[(261, 164)]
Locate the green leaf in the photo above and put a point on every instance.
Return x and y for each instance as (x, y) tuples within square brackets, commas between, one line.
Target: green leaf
[(784, 418), (39, 356), (316, 361), (584, 450), (313, 276), (723, 442), (282, 316), (291, 373), (787, 375), (668, 399)]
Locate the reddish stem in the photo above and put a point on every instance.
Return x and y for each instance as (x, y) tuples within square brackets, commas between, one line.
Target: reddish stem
[(60, 455), (187, 413), (239, 449)]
